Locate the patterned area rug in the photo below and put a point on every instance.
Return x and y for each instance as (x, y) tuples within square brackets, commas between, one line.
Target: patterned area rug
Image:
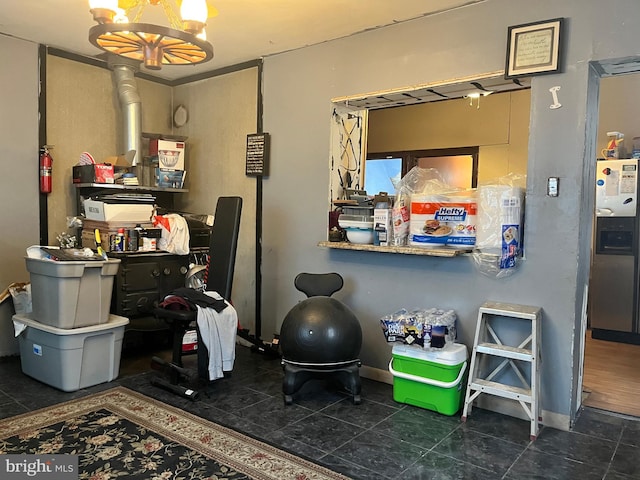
[(123, 434)]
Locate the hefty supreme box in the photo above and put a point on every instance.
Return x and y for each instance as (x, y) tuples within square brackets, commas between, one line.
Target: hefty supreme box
[(443, 220), (95, 173)]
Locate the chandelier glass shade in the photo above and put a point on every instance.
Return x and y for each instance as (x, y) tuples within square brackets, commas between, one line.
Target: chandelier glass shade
[(182, 43)]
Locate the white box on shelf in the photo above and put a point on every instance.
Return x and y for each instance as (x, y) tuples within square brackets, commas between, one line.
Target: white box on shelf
[(171, 154), (124, 212)]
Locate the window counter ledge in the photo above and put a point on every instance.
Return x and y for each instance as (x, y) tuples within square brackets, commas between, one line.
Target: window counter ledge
[(405, 250)]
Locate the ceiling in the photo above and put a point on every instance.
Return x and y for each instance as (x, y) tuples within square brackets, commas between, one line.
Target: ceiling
[(435, 92), (243, 30)]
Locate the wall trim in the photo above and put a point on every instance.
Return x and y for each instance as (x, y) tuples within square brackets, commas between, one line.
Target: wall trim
[(376, 374), (259, 202), (101, 62), (494, 404), (216, 73), (42, 140)]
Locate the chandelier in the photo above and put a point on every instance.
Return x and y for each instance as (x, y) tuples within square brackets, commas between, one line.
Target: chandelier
[(183, 43)]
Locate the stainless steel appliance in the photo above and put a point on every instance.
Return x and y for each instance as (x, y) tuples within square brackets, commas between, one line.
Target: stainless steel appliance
[(613, 290)]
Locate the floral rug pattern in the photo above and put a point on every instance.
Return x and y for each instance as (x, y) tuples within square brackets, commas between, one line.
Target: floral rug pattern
[(123, 434)]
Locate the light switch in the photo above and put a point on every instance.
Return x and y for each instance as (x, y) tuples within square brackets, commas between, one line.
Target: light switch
[(553, 186)]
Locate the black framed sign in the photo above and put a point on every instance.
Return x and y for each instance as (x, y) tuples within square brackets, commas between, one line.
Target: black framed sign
[(257, 163), (534, 48)]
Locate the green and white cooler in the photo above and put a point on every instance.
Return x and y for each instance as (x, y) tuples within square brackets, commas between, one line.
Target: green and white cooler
[(430, 378)]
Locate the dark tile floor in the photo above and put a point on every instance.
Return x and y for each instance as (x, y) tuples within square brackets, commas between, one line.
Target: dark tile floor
[(378, 439)]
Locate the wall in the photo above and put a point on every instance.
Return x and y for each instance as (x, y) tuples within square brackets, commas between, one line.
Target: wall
[(298, 88), (619, 104), (19, 182), (496, 127), (222, 111), (88, 118)]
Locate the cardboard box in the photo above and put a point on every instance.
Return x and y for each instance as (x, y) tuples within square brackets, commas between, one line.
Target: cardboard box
[(124, 160), (167, 178), (96, 173), (170, 153), (122, 212), (382, 226)]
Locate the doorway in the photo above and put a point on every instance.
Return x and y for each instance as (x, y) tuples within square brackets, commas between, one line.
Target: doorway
[(611, 379), (611, 376)]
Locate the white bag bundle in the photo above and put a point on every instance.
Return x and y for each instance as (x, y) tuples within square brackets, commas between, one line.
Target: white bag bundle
[(499, 216), (499, 228)]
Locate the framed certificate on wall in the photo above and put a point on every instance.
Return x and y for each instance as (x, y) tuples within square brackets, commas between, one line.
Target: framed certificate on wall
[(534, 48)]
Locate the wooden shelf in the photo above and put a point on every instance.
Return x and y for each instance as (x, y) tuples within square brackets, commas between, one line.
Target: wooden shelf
[(119, 186), (404, 250)]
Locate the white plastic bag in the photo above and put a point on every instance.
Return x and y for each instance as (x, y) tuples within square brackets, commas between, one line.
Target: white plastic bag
[(174, 233), (21, 296)]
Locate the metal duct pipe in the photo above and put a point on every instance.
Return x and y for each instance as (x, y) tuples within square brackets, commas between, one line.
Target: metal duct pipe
[(131, 108)]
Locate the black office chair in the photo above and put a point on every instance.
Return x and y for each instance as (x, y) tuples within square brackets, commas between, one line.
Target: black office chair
[(320, 337), (218, 277)]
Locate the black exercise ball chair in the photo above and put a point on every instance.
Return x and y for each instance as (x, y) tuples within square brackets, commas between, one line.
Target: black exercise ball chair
[(320, 337)]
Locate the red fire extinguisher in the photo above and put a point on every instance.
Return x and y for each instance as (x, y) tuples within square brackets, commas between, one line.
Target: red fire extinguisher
[(46, 163)]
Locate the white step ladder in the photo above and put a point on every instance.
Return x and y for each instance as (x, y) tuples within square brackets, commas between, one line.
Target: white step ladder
[(523, 355)]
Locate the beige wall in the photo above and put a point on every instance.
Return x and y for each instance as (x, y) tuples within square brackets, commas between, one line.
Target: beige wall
[(19, 214), (83, 114), (619, 106), (500, 127), (222, 111)]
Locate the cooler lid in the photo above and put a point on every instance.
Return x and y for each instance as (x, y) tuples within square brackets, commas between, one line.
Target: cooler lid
[(450, 354)]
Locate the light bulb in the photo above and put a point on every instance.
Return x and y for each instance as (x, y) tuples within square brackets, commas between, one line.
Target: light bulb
[(103, 11), (121, 16), (194, 11), (108, 4)]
